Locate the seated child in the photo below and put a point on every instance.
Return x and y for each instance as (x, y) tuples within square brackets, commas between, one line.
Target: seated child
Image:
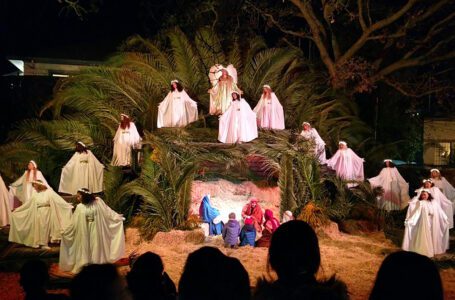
[(248, 233), (231, 232)]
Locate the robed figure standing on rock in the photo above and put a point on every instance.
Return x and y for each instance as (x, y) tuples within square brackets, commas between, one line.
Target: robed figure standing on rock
[(224, 83)]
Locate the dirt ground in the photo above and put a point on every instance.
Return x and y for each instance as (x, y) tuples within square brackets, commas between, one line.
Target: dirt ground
[(354, 259)]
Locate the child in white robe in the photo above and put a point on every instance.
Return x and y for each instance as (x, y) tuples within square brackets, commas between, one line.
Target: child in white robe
[(177, 109), (83, 169), (125, 138), (347, 164), (442, 183), (438, 198), (5, 209), (41, 219), (426, 226), (238, 123), (311, 134), (396, 189), (95, 235), (269, 111), (22, 188)]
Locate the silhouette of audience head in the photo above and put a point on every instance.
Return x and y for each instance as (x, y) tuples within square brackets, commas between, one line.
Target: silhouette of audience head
[(98, 282), (34, 277), (294, 250), (209, 274), (147, 278), (407, 275)]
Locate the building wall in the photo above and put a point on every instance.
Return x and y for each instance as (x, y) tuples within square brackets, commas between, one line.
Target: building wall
[(439, 141)]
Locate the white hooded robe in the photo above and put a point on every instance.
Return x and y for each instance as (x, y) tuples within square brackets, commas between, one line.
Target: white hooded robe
[(5, 208), (396, 189), (347, 164), (83, 170), (319, 144), (270, 113), (124, 140), (95, 236), (22, 188), (238, 123), (177, 110)]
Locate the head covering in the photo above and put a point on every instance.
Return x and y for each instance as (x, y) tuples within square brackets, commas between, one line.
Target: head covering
[(387, 159), (254, 200), (426, 190), (434, 170), (268, 215), (249, 221), (175, 80), (84, 191), (287, 216), (124, 115), (38, 182), (342, 143), (266, 86), (206, 211), (306, 123), (235, 92), (34, 164), (427, 180), (82, 144)]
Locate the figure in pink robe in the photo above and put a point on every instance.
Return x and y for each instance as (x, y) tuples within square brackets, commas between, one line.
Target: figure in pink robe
[(269, 111), (238, 123), (347, 164)]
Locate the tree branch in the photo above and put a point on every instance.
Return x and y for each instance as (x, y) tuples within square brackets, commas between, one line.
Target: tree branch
[(411, 92), (361, 18)]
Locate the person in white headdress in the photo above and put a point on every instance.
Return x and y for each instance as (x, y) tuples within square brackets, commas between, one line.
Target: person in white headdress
[(287, 216), (439, 198), (426, 226), (347, 164), (95, 235), (224, 82), (238, 123), (41, 219), (5, 208), (22, 188), (396, 189), (83, 169), (126, 138), (442, 183), (269, 110), (177, 109), (311, 134)]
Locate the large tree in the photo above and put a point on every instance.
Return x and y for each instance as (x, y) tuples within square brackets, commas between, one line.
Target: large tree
[(363, 42)]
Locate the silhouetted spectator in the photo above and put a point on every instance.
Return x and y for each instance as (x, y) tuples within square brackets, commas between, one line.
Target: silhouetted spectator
[(34, 279), (248, 233), (210, 275), (96, 282), (147, 279), (407, 275), (294, 255)]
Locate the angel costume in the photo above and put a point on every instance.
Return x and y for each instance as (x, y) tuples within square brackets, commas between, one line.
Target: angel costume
[(440, 199), (396, 189), (22, 188), (269, 112), (176, 110), (82, 170), (426, 228), (40, 220), (5, 209), (319, 145), (347, 164), (445, 186), (124, 140), (238, 123), (222, 88), (95, 236)]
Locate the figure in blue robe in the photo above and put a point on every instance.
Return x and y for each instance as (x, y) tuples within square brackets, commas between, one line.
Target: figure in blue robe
[(208, 214)]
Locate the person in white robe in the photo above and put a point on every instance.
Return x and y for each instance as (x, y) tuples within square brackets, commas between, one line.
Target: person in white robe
[(5, 209), (126, 138), (83, 169), (347, 165), (426, 226), (22, 189), (41, 219), (238, 123), (442, 183), (311, 134), (396, 189), (177, 109), (439, 198), (269, 111), (224, 82), (95, 235)]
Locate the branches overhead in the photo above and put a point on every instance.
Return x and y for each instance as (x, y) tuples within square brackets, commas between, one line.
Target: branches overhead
[(389, 35)]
